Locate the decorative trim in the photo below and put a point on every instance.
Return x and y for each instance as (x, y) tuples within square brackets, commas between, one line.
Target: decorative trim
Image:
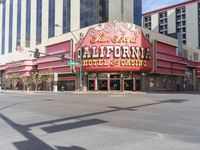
[(171, 61)]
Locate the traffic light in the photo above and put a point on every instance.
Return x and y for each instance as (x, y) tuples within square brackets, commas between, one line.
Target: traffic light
[(62, 57), (37, 53)]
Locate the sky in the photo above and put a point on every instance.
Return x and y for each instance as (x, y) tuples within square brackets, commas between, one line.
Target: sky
[(149, 5)]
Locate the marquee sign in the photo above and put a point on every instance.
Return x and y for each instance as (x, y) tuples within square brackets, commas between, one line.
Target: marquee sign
[(115, 47)]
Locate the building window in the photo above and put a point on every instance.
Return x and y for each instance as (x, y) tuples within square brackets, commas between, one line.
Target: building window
[(103, 7), (147, 22), (137, 12), (10, 27), (181, 22), (66, 15), (3, 27), (28, 22), (39, 22), (51, 18), (93, 11), (19, 22), (89, 12), (196, 57), (163, 25)]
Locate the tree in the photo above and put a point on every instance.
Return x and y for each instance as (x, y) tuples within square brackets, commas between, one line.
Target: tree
[(14, 80), (37, 79), (48, 78), (27, 80)]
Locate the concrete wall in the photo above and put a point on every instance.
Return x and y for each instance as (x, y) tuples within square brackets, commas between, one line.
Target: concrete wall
[(0, 27), (171, 21), (192, 25), (75, 14), (154, 22), (115, 10)]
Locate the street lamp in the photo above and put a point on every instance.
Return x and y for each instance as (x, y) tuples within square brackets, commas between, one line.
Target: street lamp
[(80, 60), (80, 45)]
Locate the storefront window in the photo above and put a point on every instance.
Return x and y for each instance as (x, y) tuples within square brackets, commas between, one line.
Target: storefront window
[(128, 84), (91, 85), (102, 84), (91, 82), (115, 82)]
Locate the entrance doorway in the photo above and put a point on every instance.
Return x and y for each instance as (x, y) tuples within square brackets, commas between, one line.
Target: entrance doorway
[(66, 85), (91, 85), (128, 84), (103, 85), (138, 85), (115, 82)]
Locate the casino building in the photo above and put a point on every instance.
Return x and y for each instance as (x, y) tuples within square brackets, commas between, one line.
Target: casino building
[(125, 57), (115, 56), (102, 54), (29, 24)]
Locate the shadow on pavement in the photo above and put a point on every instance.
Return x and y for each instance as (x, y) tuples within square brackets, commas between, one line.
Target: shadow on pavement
[(73, 125), (111, 109), (34, 143), (70, 148)]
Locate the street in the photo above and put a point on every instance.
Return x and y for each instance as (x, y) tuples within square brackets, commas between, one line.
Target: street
[(99, 121)]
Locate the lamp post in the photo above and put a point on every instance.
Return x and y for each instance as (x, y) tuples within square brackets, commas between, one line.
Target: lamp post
[(80, 60)]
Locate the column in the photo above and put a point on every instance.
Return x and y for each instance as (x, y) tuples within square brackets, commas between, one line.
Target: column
[(0, 28), (45, 19), (108, 83), (55, 82), (33, 25), (7, 26), (14, 37), (95, 82), (143, 82), (23, 23), (59, 16), (75, 15)]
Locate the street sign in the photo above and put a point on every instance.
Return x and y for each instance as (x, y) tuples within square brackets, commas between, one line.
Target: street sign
[(71, 63)]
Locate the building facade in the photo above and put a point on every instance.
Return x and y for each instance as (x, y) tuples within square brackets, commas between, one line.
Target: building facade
[(181, 18), (116, 56), (29, 24)]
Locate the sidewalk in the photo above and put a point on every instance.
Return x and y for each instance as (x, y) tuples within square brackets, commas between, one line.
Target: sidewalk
[(73, 92), (96, 92)]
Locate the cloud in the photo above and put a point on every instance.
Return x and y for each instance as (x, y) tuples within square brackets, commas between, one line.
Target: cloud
[(149, 5)]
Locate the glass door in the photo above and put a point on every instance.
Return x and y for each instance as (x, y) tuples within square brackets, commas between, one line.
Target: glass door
[(102, 82), (115, 82), (128, 84)]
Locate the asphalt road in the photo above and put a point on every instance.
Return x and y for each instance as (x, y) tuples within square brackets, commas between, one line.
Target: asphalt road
[(72, 121)]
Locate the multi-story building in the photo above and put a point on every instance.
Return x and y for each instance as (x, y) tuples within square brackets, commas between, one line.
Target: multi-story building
[(115, 55), (29, 24), (182, 18)]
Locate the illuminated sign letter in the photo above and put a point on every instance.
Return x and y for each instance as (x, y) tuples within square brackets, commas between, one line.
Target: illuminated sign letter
[(79, 52), (148, 55), (108, 50), (125, 52), (86, 53), (117, 51), (135, 52), (142, 53), (94, 53), (101, 52)]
